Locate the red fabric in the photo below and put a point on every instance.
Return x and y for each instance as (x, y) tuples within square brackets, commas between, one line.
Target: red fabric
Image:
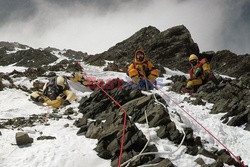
[(200, 64), (191, 74)]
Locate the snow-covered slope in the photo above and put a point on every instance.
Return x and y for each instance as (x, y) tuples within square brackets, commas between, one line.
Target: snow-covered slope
[(68, 149)]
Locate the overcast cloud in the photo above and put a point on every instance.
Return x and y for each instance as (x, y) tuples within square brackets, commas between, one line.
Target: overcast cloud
[(94, 26)]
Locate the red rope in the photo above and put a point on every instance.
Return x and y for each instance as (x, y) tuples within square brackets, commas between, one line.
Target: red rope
[(124, 125), (124, 120), (236, 158)]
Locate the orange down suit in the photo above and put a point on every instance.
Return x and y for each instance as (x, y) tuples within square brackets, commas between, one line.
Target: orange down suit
[(142, 70)]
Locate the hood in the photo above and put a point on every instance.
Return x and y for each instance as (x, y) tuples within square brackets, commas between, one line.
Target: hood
[(135, 59)]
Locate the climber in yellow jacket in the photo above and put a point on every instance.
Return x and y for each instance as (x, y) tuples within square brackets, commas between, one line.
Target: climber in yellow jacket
[(199, 73), (142, 69), (55, 93)]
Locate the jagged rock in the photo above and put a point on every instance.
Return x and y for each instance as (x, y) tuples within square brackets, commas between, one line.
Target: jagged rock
[(51, 74), (55, 116), (247, 127), (245, 79), (179, 82), (157, 116), (155, 161), (217, 163), (69, 111), (231, 64), (81, 122), (28, 58), (1, 83), (51, 49), (108, 132), (229, 96), (82, 130), (37, 85), (114, 67), (162, 48), (200, 161), (170, 132), (75, 55), (207, 153), (33, 73), (239, 119), (57, 67), (23, 138), (189, 140), (21, 122), (66, 125), (165, 163), (228, 160), (2, 126), (46, 138), (93, 131), (110, 135), (192, 150), (220, 106), (97, 105), (161, 133), (10, 46), (198, 101)]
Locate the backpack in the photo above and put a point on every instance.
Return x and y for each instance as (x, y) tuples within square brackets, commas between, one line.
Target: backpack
[(53, 88)]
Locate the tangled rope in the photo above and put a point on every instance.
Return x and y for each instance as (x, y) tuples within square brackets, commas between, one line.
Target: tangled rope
[(156, 153)]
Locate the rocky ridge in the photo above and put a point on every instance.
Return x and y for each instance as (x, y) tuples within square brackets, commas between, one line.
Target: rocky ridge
[(107, 121), (169, 48)]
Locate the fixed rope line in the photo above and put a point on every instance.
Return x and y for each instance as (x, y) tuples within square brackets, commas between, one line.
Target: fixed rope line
[(124, 120), (124, 124), (155, 153), (134, 158), (210, 133)]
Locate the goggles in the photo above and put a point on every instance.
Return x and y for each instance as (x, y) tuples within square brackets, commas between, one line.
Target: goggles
[(193, 62)]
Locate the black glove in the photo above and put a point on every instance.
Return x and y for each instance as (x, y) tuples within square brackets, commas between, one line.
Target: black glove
[(40, 99), (66, 102), (147, 72)]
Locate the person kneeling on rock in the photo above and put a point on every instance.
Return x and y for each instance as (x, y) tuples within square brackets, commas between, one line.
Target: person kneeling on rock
[(200, 73), (55, 93), (142, 72)]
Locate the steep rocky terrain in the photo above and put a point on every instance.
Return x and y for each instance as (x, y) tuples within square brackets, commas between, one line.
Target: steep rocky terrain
[(102, 119), (107, 126), (169, 48), (21, 55)]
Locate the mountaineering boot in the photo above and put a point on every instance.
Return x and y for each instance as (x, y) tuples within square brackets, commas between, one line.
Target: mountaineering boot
[(187, 90)]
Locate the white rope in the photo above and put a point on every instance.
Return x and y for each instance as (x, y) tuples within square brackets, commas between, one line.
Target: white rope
[(155, 153), (134, 158), (176, 123)]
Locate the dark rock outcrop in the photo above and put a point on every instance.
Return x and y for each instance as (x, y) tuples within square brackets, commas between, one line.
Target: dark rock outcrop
[(20, 122), (23, 138), (10, 46), (228, 63), (46, 138), (1, 83), (28, 58), (228, 96), (162, 48), (108, 123), (75, 55)]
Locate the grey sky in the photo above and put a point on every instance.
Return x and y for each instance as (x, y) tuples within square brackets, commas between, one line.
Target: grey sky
[(94, 26)]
